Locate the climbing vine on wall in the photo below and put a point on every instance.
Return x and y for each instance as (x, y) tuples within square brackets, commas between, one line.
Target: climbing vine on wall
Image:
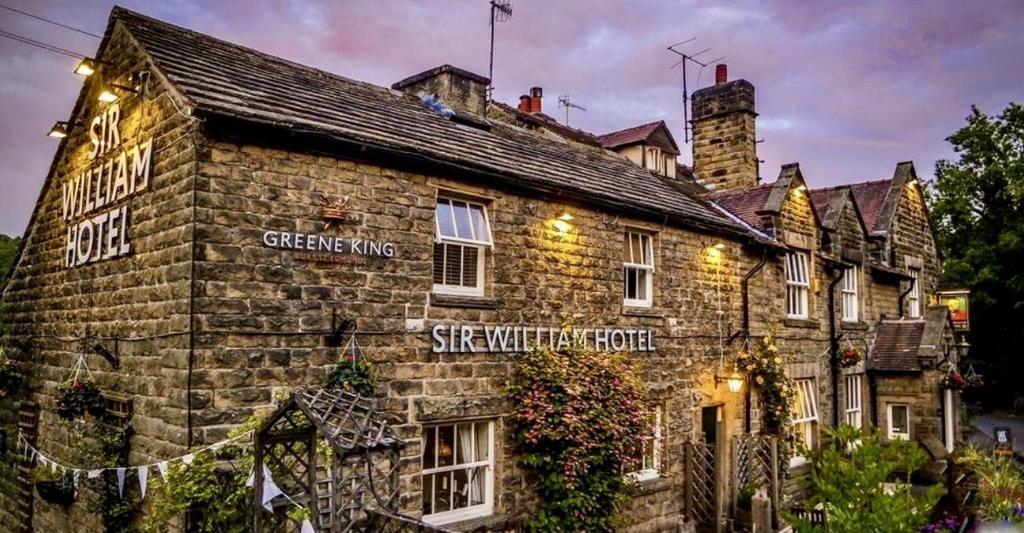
[(577, 417), (764, 366)]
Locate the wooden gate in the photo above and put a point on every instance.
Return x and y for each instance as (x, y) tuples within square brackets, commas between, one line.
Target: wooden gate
[(755, 464), (702, 503)]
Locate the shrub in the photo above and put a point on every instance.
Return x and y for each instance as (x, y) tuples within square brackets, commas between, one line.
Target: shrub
[(577, 416), (1000, 486), (863, 484)]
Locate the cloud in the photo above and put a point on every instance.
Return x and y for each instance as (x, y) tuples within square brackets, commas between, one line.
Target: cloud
[(845, 89)]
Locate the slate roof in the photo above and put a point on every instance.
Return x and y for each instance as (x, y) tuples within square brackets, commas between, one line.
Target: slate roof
[(821, 199), (543, 120), (744, 203), (896, 346), (636, 134), (221, 79), (870, 197)]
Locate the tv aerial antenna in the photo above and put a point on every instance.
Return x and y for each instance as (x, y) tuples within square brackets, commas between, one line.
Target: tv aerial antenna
[(685, 59), (564, 101), (501, 11)]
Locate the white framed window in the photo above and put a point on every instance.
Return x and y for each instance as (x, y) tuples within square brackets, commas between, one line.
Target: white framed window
[(638, 269), (914, 297), (798, 285), (805, 418), (654, 159), (652, 447), (849, 295), (458, 471), (853, 401), (463, 235), (899, 421)]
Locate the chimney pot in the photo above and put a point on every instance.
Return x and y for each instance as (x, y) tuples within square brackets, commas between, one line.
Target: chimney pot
[(536, 99), (721, 74), (524, 103)]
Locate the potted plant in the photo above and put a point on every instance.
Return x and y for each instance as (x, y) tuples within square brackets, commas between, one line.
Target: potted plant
[(744, 505), (58, 489), (352, 375), (849, 357), (76, 398)]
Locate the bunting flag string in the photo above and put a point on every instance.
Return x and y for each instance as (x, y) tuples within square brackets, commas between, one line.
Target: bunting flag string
[(32, 454), (271, 491)]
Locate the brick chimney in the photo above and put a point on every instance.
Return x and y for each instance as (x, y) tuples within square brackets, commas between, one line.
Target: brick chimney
[(524, 103), (724, 148), (536, 99), (461, 90)]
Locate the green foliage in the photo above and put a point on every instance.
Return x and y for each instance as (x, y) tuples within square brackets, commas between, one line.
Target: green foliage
[(764, 366), (104, 444), (219, 500), (8, 248), (850, 474), (577, 418), (1000, 485), (745, 498), (353, 375), (977, 205), (10, 378), (75, 399)]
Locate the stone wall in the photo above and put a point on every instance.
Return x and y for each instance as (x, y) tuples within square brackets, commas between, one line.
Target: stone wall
[(56, 313), (912, 240), (252, 301)]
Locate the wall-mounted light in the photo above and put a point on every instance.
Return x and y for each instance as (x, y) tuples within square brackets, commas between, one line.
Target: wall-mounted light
[(107, 96), (714, 252), (561, 224), (86, 67), (59, 130), (733, 381)]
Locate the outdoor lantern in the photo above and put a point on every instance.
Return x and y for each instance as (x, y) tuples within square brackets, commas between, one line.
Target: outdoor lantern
[(59, 130), (562, 223), (734, 382), (86, 67), (107, 96)]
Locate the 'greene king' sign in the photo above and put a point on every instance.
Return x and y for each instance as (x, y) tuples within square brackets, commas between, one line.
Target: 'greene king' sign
[(97, 225)]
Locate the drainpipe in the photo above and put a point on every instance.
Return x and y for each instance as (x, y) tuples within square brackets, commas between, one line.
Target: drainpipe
[(833, 339), (745, 291), (873, 394), (904, 295)]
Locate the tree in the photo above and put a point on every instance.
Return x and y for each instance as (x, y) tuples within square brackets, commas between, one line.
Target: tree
[(977, 204), (863, 484), (8, 247)]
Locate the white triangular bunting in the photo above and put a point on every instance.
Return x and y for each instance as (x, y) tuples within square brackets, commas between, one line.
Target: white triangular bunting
[(307, 527), (187, 459), (270, 490), (120, 482), (93, 474), (162, 466), (143, 478), (251, 480)]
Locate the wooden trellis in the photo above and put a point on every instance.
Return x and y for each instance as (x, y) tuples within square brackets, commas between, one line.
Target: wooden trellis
[(351, 484)]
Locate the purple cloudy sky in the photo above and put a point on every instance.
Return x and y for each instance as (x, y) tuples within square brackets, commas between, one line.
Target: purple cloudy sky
[(846, 91)]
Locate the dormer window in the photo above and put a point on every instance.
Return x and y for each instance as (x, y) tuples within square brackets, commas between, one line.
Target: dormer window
[(654, 160)]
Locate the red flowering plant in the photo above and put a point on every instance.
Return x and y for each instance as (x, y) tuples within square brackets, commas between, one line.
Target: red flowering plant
[(76, 398), (577, 415), (953, 381), (849, 357)]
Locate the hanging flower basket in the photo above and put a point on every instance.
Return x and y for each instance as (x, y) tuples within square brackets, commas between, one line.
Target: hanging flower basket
[(973, 380), (76, 399), (60, 491), (849, 357), (10, 379), (953, 381), (353, 372)]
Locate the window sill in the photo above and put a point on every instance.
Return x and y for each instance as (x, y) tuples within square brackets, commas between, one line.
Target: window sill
[(458, 300), (491, 522), (633, 310), (801, 323), (854, 326), (644, 487)]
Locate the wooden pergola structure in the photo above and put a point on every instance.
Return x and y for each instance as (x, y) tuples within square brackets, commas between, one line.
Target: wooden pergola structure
[(332, 452)]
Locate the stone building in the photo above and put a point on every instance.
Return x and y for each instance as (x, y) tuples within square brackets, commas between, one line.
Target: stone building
[(196, 241)]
